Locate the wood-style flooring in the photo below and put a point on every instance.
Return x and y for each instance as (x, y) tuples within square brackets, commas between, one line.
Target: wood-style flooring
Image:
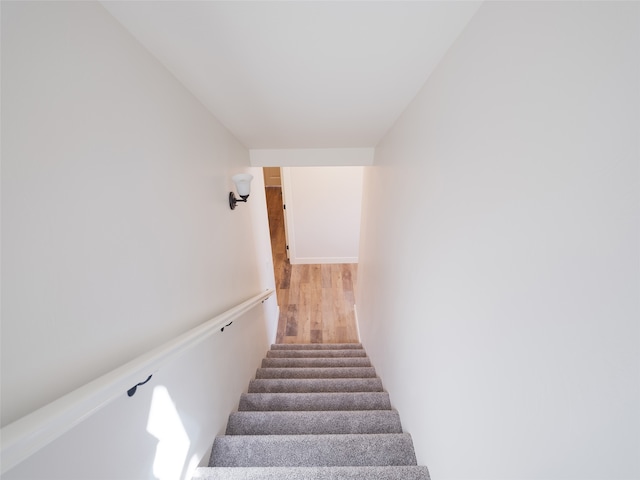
[(316, 301)]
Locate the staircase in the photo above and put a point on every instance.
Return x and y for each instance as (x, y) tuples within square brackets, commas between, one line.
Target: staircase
[(314, 411)]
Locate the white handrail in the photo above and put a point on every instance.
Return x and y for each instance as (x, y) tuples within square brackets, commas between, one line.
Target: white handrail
[(25, 436)]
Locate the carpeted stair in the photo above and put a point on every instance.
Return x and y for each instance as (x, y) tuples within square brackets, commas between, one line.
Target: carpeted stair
[(314, 411)]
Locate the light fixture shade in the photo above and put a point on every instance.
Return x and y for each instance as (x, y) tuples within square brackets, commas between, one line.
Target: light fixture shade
[(243, 183)]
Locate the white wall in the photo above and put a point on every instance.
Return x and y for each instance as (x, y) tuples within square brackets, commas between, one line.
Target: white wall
[(323, 213), (117, 235), (168, 426), (311, 157), (499, 291)]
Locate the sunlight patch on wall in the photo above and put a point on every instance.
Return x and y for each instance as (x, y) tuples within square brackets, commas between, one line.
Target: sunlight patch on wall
[(193, 464), (173, 442)]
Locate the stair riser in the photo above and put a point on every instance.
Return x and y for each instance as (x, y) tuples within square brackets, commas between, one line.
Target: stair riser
[(312, 450), (337, 372), (314, 401), (315, 385), (313, 423)]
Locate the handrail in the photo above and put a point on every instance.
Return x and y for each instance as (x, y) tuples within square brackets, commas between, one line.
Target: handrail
[(27, 435)]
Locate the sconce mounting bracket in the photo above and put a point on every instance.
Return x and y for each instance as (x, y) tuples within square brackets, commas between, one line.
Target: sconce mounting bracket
[(233, 200)]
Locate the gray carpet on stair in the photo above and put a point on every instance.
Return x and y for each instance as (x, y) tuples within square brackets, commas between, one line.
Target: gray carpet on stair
[(313, 473), (308, 385), (314, 411), (314, 401), (314, 423), (316, 362), (338, 372), (315, 353), (316, 346), (312, 450)]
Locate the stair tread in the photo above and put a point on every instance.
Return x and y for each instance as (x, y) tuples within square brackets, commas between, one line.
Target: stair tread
[(314, 401), (387, 449), (316, 353), (316, 346), (313, 473), (319, 372), (314, 422), (309, 385), (316, 362)]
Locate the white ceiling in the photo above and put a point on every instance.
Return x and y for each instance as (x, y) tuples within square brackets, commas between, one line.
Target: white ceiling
[(299, 74)]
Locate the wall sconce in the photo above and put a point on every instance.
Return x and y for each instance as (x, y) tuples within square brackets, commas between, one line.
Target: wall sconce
[(243, 187)]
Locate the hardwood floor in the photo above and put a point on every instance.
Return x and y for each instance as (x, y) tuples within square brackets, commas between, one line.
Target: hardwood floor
[(316, 301)]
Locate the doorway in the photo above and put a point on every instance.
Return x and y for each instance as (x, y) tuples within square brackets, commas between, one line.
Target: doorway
[(316, 301)]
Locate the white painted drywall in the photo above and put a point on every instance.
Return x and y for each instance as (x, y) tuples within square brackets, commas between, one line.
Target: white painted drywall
[(311, 157), (299, 74), (116, 236), (141, 438), (323, 213), (499, 292)]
